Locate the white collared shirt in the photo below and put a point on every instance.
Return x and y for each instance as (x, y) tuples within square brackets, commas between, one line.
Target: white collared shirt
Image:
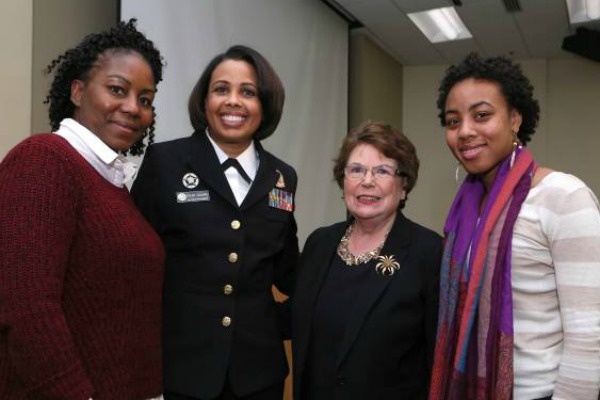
[(113, 166), (248, 160)]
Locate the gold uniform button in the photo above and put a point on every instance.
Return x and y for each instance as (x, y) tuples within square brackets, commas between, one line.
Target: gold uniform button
[(226, 321), (227, 289), (233, 257), (235, 224)]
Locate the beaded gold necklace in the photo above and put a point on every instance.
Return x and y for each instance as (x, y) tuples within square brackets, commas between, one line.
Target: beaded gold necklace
[(350, 259)]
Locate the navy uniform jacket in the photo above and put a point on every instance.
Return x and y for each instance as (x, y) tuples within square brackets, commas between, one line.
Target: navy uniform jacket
[(387, 347), (219, 316)]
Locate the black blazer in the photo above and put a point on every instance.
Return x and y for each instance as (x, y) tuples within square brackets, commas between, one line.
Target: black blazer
[(387, 348), (219, 316)]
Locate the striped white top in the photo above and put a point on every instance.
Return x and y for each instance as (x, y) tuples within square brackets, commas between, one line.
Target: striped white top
[(556, 291)]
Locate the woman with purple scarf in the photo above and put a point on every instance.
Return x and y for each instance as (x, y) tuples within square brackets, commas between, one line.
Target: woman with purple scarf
[(520, 280)]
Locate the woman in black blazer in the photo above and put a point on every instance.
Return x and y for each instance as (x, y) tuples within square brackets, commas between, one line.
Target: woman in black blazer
[(223, 207), (366, 297)]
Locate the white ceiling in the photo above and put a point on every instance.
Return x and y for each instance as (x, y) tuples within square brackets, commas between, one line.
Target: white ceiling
[(536, 31)]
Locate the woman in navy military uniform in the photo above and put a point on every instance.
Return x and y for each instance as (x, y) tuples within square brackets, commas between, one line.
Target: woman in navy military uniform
[(223, 207)]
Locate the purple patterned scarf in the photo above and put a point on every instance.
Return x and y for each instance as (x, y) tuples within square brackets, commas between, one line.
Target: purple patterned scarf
[(474, 349)]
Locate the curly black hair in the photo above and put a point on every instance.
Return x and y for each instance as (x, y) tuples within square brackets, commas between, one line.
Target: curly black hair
[(76, 63), (515, 87)]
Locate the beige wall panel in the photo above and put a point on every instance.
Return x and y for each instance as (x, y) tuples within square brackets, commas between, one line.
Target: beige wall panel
[(432, 196), (59, 25), (15, 80), (375, 84), (572, 112)]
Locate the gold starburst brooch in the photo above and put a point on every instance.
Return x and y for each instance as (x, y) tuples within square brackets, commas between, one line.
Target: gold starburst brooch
[(387, 265)]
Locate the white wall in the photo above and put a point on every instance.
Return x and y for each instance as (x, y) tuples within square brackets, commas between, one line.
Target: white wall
[(567, 139)]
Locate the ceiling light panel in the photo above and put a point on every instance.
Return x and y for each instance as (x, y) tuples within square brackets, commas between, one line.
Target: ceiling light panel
[(581, 11), (440, 24)]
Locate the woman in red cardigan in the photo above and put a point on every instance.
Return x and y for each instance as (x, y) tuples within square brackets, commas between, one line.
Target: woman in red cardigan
[(81, 270)]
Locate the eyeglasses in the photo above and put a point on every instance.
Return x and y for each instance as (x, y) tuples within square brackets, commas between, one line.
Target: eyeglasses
[(358, 171)]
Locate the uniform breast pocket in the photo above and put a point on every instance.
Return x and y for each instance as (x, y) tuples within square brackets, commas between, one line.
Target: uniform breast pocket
[(277, 215), (272, 223)]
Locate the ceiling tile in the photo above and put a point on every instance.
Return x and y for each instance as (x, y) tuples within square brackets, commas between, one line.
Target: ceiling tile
[(374, 11), (453, 52), (407, 43), (409, 6), (494, 29), (543, 25)]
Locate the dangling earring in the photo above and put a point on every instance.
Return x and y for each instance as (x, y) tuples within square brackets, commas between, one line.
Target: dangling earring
[(516, 145), (457, 173)]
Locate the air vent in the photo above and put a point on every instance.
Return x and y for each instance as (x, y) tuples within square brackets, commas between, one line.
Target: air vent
[(512, 5)]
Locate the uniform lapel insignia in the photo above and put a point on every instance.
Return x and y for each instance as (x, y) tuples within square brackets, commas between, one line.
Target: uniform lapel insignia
[(190, 180), (280, 181)]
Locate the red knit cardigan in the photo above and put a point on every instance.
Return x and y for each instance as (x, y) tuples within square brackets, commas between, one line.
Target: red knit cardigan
[(80, 281)]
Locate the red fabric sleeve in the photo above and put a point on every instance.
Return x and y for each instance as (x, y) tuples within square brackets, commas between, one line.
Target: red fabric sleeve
[(38, 216)]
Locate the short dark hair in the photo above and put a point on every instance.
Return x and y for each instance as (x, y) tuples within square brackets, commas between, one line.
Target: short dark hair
[(77, 62), (514, 85), (270, 90), (391, 142)]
